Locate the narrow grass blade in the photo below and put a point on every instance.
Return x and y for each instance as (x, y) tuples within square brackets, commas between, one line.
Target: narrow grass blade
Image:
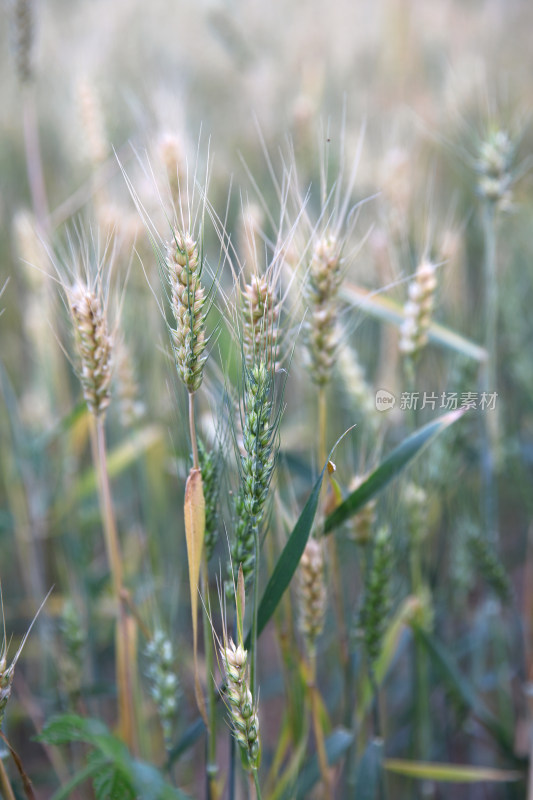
[(445, 663), (450, 773), (377, 305), (337, 744), (288, 561), (390, 468), (194, 732)]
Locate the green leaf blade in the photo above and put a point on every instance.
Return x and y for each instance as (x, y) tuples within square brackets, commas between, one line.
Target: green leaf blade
[(450, 773), (390, 468)]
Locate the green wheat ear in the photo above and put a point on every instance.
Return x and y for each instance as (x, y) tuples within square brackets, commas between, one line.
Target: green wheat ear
[(376, 603), (257, 466)]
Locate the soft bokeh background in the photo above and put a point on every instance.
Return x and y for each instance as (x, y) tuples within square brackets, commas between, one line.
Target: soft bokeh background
[(420, 84)]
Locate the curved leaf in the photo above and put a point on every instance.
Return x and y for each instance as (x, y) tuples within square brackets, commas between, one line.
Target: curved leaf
[(377, 305), (288, 561), (389, 468), (451, 773), (337, 744), (445, 663)]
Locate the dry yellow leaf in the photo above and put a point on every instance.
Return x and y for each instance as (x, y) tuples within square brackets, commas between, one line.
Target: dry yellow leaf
[(194, 510)]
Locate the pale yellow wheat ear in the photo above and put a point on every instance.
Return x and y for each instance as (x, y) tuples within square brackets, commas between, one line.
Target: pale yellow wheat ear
[(312, 593), (327, 255), (237, 695), (84, 269), (97, 148), (94, 344), (418, 309), (187, 301)]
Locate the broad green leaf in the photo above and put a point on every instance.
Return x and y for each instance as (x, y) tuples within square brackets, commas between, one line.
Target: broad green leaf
[(369, 773), (337, 744), (389, 468), (445, 663), (109, 779), (110, 762), (377, 305), (194, 512), (80, 777), (67, 728), (452, 773)]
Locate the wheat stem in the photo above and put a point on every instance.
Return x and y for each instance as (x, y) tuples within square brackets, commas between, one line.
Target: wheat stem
[(123, 667), (5, 783), (488, 373), (34, 165), (192, 429), (256, 785), (255, 606), (212, 766), (317, 727)]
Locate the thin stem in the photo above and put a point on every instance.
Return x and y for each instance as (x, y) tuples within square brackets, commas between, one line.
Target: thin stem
[(488, 374), (123, 654), (317, 727), (106, 508), (212, 766), (256, 783), (5, 783), (255, 604), (332, 548), (322, 424), (34, 166), (192, 428)]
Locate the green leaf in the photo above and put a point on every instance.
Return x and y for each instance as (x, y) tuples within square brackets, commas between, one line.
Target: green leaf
[(116, 774), (369, 773), (109, 781), (67, 728), (288, 561), (388, 310), (389, 468), (451, 674), (337, 744), (451, 773), (80, 777)]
